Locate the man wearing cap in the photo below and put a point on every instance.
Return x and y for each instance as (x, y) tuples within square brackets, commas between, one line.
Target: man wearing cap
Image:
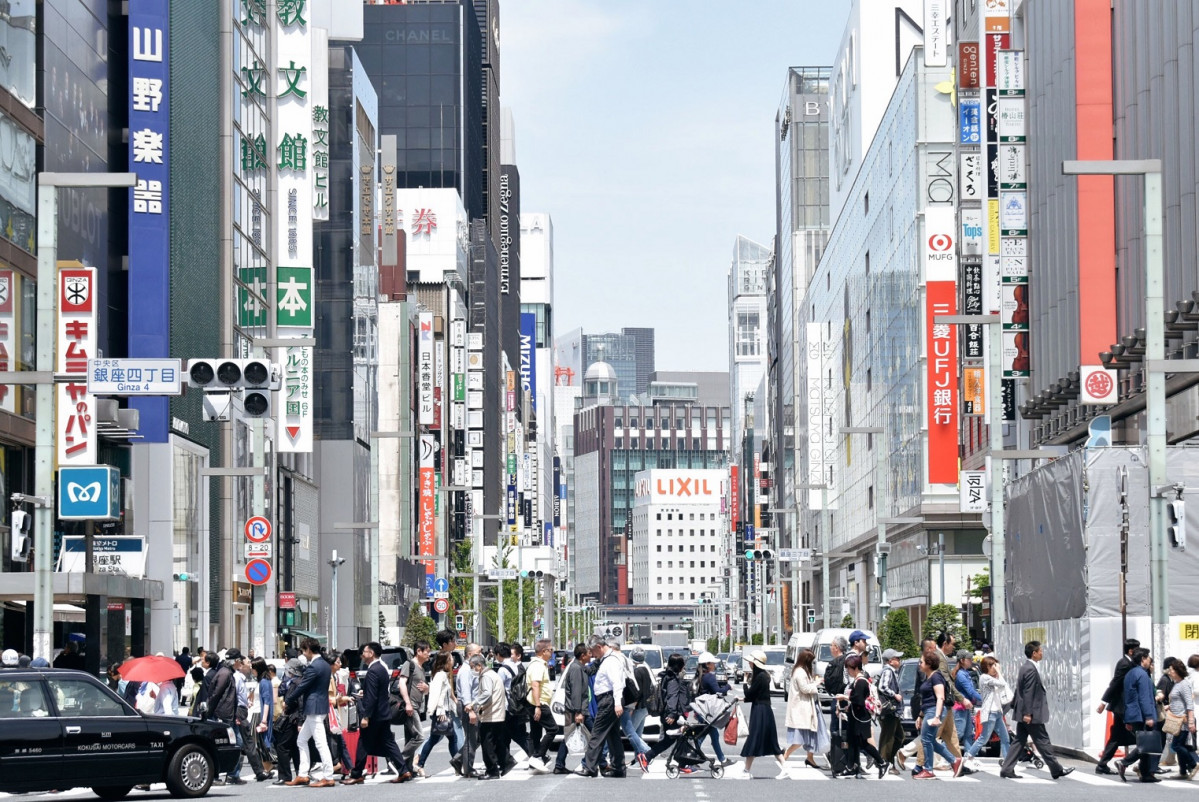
[(609, 685), (890, 736), (858, 646), (963, 716)]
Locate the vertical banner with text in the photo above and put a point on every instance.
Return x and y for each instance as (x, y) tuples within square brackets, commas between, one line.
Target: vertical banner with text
[(149, 202), (75, 423)]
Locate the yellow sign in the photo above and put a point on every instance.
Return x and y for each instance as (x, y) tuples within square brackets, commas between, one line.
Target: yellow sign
[(974, 391), (1188, 630), (993, 226)]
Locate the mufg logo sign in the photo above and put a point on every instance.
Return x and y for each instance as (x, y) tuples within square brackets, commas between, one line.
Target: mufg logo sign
[(89, 493)]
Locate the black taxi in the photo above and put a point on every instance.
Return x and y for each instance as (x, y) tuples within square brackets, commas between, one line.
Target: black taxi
[(64, 729)]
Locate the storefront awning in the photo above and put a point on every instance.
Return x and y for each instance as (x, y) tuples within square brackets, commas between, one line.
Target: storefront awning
[(300, 633)]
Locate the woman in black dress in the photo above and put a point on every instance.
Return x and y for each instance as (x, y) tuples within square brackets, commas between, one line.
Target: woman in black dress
[(763, 736), (857, 726)]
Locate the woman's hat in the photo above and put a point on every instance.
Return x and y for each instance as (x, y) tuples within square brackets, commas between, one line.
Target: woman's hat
[(706, 657), (758, 658)]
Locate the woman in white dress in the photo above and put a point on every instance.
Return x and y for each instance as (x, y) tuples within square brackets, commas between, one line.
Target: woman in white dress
[(803, 710)]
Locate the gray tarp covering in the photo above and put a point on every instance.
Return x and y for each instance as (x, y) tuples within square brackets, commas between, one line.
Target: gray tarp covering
[(1059, 569), (1046, 557)]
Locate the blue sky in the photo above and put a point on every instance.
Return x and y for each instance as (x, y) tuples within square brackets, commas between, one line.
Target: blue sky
[(643, 127)]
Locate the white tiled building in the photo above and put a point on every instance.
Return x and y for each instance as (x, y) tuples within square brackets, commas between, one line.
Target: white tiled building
[(679, 546)]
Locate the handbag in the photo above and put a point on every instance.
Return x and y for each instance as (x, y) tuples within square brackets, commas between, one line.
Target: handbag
[(334, 723), (1150, 742), (576, 742), (730, 729), (1172, 723), (352, 717), (442, 724)]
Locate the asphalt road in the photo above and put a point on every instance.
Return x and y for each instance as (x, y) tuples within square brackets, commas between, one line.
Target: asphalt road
[(442, 783)]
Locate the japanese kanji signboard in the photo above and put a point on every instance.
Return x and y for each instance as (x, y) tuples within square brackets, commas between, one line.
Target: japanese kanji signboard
[(149, 201), (75, 431), (296, 397)]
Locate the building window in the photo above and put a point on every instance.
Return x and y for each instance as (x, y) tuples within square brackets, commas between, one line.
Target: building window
[(619, 422), (868, 256), (659, 580), (659, 597), (693, 549), (693, 516), (659, 563), (693, 582), (693, 595), (693, 563), (870, 497), (620, 442), (867, 321), (671, 596), (670, 580), (748, 332), (866, 203), (633, 423), (659, 547)]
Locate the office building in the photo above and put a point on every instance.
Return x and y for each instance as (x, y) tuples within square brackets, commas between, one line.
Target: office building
[(630, 353), (680, 549)]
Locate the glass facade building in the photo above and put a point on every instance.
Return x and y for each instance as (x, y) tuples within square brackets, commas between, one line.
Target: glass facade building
[(801, 231), (426, 64), (630, 353)]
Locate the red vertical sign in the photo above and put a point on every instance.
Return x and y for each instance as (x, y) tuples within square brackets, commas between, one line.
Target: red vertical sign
[(735, 512), (942, 397)]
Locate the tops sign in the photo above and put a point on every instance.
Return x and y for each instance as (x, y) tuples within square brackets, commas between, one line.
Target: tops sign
[(680, 487)]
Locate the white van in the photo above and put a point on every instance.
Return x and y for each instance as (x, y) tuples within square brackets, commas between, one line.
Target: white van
[(774, 665), (822, 642), (798, 641)]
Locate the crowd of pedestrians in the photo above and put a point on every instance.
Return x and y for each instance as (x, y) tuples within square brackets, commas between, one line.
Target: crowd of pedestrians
[(320, 721)]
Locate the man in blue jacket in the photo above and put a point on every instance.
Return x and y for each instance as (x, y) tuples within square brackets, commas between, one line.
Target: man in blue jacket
[(963, 680), (1139, 713), (312, 694)]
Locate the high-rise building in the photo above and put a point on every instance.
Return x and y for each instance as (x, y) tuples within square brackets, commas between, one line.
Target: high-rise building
[(801, 232), (747, 326), (630, 353), (612, 442)]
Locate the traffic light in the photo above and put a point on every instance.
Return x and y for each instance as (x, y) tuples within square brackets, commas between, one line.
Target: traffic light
[(1176, 524), (459, 622), (182, 576), (22, 522), (254, 377), (759, 554), (532, 574)]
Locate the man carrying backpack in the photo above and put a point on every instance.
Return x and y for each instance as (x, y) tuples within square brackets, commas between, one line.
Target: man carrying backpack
[(516, 686), (412, 688)]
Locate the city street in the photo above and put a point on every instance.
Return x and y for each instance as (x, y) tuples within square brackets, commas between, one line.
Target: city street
[(442, 783)]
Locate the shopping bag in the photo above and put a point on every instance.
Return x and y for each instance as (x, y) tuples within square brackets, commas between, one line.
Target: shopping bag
[(742, 724), (730, 729), (576, 740)]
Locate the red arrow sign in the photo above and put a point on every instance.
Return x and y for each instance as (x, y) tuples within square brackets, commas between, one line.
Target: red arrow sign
[(293, 432)]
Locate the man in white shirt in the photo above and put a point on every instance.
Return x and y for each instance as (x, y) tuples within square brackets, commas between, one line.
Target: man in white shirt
[(609, 685)]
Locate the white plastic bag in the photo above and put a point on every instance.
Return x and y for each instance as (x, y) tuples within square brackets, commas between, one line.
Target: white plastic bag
[(576, 740), (742, 723)]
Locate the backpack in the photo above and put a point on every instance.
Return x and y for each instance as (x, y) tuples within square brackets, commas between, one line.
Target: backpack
[(518, 692), (655, 702)]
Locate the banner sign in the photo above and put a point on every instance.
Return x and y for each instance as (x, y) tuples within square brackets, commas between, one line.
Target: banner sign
[(942, 384), (75, 419), (149, 201)]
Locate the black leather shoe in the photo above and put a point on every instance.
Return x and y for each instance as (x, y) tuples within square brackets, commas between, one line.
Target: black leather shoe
[(1065, 771), (1009, 775), (613, 774), (1103, 768), (1120, 769), (235, 781), (585, 773), (1151, 779), (266, 775), (562, 770)]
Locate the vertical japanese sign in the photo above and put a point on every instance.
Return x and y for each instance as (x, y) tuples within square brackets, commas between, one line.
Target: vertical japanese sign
[(8, 340), (438, 384), (735, 497), (149, 201), (940, 274), (74, 418), (935, 32), (821, 401), (528, 356), (319, 102), (298, 59), (424, 368), (427, 529)]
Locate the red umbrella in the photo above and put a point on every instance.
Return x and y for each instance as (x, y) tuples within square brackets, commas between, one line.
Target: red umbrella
[(151, 669)]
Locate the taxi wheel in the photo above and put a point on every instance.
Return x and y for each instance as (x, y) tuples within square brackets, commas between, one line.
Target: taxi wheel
[(113, 791), (191, 772)]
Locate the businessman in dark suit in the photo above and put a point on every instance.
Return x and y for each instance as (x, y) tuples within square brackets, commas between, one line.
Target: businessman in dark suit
[(1032, 711), (1113, 702), (374, 728), (312, 695)]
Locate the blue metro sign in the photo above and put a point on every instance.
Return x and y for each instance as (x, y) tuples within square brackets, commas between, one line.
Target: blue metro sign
[(89, 493)]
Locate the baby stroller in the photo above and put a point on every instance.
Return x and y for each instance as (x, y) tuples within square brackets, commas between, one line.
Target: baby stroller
[(708, 711)]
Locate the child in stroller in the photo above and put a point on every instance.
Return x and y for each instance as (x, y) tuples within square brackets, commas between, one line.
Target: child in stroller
[(707, 712)]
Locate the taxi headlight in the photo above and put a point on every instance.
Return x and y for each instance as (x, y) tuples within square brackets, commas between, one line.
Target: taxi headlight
[(231, 735)]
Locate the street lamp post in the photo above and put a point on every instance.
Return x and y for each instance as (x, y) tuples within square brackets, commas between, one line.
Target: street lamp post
[(47, 328), (1155, 357), (334, 562)]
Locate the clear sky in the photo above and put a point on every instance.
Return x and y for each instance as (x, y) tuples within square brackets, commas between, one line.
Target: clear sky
[(644, 128)]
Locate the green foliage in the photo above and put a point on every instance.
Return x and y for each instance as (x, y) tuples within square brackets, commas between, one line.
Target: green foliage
[(946, 617), (980, 583), (420, 626), (847, 622), (511, 604), (897, 634), (384, 638), (713, 645), (756, 639)]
